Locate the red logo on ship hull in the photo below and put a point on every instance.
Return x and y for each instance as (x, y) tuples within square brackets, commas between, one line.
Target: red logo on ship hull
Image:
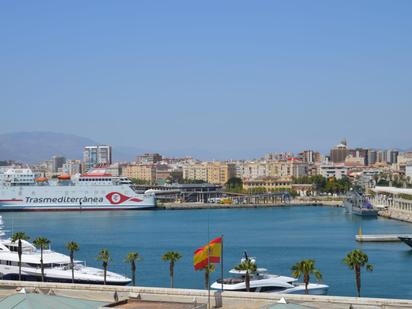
[(116, 198)]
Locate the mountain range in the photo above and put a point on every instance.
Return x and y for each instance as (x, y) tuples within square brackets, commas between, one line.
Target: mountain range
[(33, 147)]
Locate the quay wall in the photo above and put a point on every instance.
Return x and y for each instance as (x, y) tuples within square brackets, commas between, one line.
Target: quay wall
[(225, 300), (396, 214), (182, 206)]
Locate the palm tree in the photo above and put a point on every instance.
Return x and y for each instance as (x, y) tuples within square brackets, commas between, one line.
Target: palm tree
[(306, 268), (172, 257), (72, 247), (19, 236), (356, 259), (104, 257), (250, 267), (42, 243), (132, 258), (208, 269)]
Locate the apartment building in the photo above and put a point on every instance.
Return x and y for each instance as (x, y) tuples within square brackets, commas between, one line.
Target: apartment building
[(146, 172), (211, 172), (269, 183)]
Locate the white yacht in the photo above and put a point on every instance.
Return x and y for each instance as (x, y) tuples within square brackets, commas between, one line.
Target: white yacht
[(262, 281), (56, 266)]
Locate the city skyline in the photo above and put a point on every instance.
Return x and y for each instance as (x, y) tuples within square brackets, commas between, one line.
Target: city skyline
[(163, 77), (72, 143)]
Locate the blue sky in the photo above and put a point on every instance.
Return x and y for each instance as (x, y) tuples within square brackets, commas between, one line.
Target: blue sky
[(217, 79)]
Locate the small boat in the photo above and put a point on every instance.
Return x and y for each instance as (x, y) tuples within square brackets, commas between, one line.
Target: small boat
[(356, 203), (262, 281), (406, 240)]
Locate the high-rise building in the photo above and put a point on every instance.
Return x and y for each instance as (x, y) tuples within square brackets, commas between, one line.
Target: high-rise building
[(392, 156), (310, 156), (56, 163), (97, 155), (372, 157), (360, 153), (339, 153), (381, 156)]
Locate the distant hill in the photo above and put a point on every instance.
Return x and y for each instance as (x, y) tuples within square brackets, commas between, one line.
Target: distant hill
[(32, 147)]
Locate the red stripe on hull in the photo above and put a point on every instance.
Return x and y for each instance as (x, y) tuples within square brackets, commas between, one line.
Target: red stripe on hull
[(75, 209)]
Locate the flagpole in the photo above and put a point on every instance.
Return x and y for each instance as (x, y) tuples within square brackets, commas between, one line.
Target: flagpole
[(221, 264), (208, 257)]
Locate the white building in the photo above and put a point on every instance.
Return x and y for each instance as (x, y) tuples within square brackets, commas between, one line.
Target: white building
[(252, 170), (97, 155), (408, 170), (71, 167), (337, 171)]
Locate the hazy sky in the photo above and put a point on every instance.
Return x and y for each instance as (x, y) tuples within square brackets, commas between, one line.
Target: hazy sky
[(220, 79)]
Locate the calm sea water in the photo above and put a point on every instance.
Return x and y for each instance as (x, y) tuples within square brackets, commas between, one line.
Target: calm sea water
[(277, 237)]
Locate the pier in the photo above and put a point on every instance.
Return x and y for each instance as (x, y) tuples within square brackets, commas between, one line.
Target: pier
[(381, 237)]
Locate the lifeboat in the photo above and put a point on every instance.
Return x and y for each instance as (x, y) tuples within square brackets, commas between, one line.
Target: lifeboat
[(63, 177), (41, 179)]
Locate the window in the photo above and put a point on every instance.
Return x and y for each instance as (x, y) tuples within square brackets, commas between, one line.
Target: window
[(271, 288)]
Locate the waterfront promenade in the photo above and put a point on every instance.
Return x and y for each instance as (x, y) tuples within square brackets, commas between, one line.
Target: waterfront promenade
[(198, 298), (182, 206)]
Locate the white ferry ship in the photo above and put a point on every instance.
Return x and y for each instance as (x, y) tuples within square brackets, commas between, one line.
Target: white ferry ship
[(20, 189)]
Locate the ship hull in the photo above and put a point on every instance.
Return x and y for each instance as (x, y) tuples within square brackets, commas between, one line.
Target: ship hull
[(407, 240), (59, 280), (365, 213), (73, 198), (68, 208)]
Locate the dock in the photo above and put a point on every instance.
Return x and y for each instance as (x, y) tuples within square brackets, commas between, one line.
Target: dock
[(381, 237)]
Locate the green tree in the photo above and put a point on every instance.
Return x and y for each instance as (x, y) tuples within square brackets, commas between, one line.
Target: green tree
[(132, 258), (175, 177), (207, 270), (137, 181), (305, 269), (104, 257), (192, 181), (234, 184), (19, 236), (257, 190), (72, 247), (344, 184), (172, 257), (355, 260), (42, 243), (249, 267)]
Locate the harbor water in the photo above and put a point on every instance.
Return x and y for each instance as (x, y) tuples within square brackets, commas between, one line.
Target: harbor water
[(277, 237)]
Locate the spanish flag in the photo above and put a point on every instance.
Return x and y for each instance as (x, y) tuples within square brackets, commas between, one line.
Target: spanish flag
[(211, 252)]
